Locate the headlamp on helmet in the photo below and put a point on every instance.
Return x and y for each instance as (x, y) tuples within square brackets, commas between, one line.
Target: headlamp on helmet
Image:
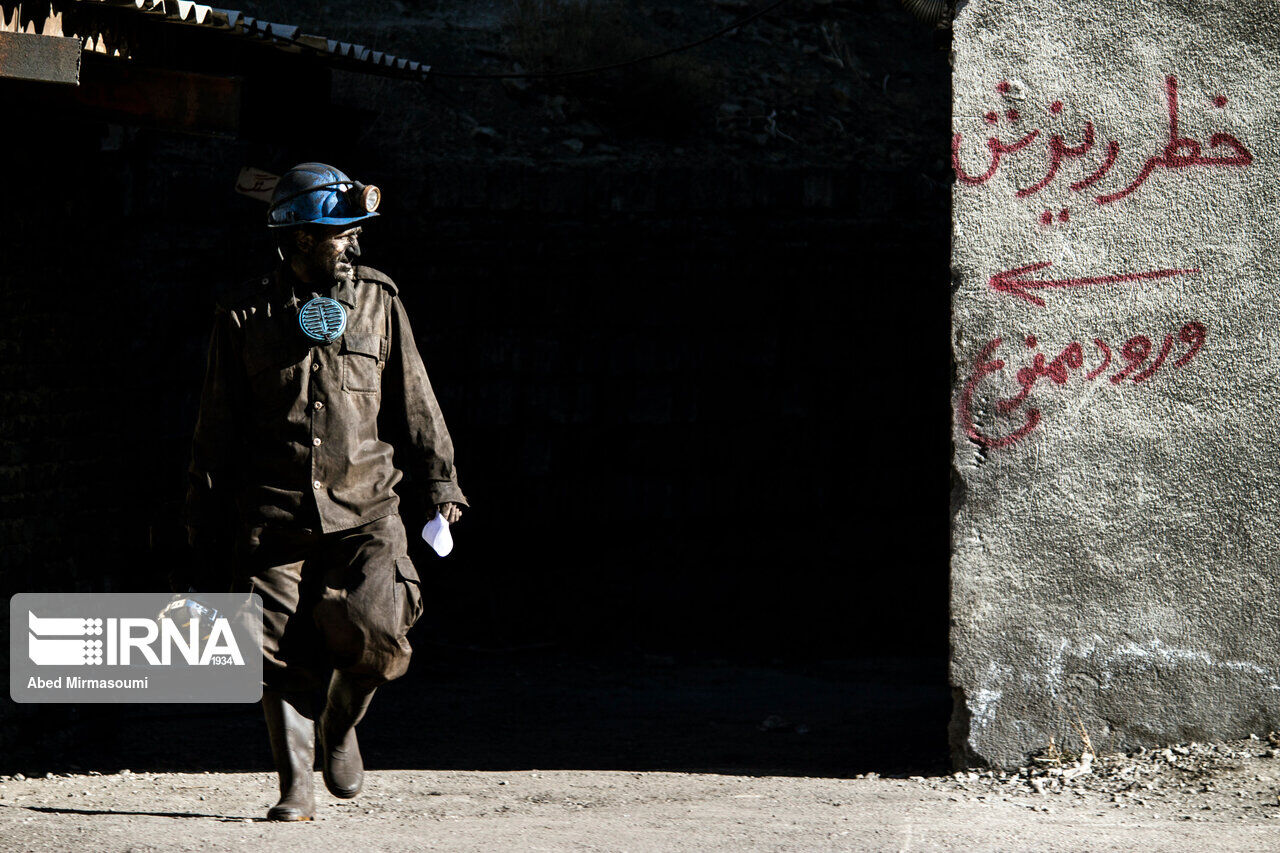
[(369, 197), (314, 193)]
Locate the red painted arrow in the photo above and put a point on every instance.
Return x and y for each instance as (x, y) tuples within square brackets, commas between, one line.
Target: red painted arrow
[(1013, 282)]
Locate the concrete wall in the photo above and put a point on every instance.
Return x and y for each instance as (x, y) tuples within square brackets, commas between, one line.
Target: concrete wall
[(1115, 528)]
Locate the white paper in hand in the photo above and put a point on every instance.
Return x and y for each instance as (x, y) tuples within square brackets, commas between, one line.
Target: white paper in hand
[(436, 533)]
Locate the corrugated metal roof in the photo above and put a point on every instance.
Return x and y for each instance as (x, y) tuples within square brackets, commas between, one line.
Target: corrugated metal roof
[(236, 24)]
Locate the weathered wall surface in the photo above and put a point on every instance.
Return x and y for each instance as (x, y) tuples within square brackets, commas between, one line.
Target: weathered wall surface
[(1116, 330)]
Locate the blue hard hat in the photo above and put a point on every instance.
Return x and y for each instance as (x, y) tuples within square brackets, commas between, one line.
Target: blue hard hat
[(316, 194)]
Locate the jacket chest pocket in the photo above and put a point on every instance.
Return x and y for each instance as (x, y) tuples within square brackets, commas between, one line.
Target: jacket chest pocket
[(363, 356)]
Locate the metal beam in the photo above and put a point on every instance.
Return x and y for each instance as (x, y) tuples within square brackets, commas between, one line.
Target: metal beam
[(160, 97), (47, 59)]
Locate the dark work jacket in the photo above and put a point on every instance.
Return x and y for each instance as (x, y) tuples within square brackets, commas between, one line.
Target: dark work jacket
[(297, 433)]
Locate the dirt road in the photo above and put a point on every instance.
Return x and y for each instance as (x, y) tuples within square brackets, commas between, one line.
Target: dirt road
[(556, 752), (604, 810)]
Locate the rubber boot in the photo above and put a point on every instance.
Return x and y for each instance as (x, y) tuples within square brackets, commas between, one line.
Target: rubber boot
[(292, 733), (347, 701)]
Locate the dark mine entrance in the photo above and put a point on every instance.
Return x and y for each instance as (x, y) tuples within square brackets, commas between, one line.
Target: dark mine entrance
[(699, 408)]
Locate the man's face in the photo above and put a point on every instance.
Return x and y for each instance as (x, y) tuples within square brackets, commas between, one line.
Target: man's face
[(328, 253)]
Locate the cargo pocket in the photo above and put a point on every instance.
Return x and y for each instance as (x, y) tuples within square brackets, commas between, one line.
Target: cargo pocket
[(362, 363), (408, 591)]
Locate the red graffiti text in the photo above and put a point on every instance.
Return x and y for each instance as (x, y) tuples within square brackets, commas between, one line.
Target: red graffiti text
[(1135, 353), (1177, 152)]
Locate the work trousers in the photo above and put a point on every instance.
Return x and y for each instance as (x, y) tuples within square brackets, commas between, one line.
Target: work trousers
[(343, 600)]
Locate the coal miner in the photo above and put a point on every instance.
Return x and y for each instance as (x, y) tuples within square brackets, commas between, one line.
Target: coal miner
[(315, 404)]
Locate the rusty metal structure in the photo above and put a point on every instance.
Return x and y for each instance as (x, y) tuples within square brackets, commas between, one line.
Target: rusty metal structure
[(175, 64)]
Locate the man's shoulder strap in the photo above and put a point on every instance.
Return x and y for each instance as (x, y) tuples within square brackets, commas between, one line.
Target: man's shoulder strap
[(370, 274)]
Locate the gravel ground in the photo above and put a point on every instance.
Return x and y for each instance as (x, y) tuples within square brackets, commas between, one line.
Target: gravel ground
[(549, 751), (621, 810), (1196, 782)]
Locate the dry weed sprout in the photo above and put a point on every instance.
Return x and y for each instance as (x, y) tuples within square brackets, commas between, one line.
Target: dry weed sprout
[(1085, 739)]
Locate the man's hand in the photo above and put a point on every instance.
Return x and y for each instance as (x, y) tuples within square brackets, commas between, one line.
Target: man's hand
[(451, 512)]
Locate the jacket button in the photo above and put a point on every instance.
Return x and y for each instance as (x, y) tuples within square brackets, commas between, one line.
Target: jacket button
[(315, 365), (318, 405), (316, 484), (316, 442)]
